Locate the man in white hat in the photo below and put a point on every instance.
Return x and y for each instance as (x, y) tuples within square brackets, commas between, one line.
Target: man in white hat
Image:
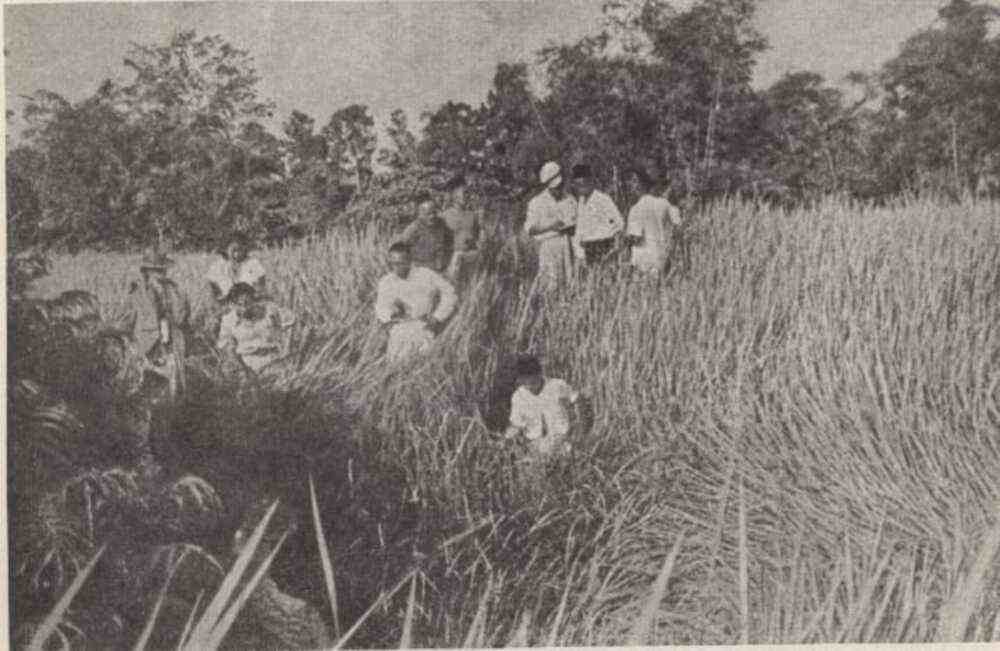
[(550, 221)]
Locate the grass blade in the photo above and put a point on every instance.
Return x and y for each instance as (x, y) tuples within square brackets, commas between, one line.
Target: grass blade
[(147, 630), (961, 608), (643, 626), (406, 639), (51, 622), (190, 620), (474, 637), (378, 602), (324, 555), (520, 637), (224, 624), (744, 571), (216, 608)]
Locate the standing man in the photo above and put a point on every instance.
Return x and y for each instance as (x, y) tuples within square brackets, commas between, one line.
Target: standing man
[(651, 222), (550, 221), (464, 225), (160, 316), (598, 221), (431, 241), (413, 302)]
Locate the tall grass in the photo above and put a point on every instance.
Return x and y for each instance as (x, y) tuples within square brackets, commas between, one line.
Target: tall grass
[(815, 404)]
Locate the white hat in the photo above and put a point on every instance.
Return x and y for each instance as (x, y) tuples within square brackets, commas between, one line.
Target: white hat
[(550, 176)]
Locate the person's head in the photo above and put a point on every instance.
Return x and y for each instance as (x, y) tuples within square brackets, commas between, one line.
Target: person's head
[(242, 296), (400, 259), (551, 177), (154, 265), (529, 373), (455, 188), (583, 180), (425, 210), (237, 247), (640, 180)]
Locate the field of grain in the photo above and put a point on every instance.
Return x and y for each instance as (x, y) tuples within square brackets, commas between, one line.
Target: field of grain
[(797, 440)]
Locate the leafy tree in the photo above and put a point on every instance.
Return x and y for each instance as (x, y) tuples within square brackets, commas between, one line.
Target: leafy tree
[(942, 100), (453, 139), (351, 140), (403, 154), (165, 156)]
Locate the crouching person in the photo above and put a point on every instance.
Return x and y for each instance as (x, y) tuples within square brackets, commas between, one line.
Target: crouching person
[(540, 411), (413, 302), (253, 329)]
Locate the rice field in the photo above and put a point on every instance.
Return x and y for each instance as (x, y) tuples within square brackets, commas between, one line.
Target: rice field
[(796, 440)]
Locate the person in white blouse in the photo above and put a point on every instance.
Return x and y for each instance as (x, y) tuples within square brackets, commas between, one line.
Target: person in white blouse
[(254, 329), (234, 265), (651, 222), (413, 302), (598, 220), (540, 410), (550, 221)]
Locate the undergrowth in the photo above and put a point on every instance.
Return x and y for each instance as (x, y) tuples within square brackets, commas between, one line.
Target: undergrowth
[(795, 440)]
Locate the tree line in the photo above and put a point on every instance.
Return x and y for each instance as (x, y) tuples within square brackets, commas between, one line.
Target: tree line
[(181, 151)]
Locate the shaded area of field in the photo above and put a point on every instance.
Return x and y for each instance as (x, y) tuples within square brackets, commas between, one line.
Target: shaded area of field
[(795, 441)]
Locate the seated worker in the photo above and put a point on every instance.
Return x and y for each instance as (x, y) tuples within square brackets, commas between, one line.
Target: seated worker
[(540, 410), (413, 302), (253, 329), (234, 265)]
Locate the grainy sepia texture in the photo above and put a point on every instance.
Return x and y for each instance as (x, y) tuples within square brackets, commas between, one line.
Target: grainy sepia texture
[(783, 429)]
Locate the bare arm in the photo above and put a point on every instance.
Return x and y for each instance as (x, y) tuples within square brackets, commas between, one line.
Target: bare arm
[(447, 299)]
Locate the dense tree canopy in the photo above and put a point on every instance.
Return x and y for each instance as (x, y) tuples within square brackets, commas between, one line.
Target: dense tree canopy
[(180, 152)]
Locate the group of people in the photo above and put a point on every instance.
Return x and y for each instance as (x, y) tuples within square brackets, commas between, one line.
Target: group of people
[(247, 324), (580, 224), (572, 224)]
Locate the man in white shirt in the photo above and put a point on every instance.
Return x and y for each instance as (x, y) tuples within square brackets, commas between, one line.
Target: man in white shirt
[(550, 220), (650, 223), (598, 220), (413, 302), (540, 410)]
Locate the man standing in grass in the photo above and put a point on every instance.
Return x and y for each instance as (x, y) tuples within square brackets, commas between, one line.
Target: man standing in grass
[(159, 319), (598, 221), (464, 226), (413, 302), (431, 241), (550, 221), (651, 222)]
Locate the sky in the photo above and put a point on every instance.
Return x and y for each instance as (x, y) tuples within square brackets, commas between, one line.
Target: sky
[(320, 56)]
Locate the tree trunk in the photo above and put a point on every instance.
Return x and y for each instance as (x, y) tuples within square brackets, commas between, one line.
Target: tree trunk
[(954, 155), (710, 128)]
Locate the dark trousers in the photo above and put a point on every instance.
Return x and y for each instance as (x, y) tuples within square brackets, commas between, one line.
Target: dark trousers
[(598, 251)]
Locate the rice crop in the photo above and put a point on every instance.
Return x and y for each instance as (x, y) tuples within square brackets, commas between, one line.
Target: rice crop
[(796, 439)]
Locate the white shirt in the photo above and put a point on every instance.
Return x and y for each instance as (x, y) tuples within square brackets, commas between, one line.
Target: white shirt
[(422, 293), (224, 274), (543, 414), (648, 220), (254, 336), (597, 218), (544, 210)]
